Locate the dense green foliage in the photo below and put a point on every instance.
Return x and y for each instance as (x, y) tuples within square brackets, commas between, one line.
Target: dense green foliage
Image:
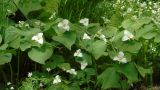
[(79, 44)]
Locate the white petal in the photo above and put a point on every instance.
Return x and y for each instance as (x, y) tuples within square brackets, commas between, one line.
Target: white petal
[(83, 65), (115, 58), (40, 41), (125, 38), (124, 60), (85, 36), (40, 34), (34, 38), (120, 54), (84, 21)]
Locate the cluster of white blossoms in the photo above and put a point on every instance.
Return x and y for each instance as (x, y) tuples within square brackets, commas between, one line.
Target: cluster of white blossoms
[(64, 24), (57, 79), (84, 21), (127, 35), (120, 57), (38, 38), (101, 36)]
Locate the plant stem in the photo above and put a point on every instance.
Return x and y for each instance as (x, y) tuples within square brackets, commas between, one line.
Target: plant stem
[(11, 72), (18, 65)]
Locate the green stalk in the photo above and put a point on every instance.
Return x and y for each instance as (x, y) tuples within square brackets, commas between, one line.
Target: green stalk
[(11, 72)]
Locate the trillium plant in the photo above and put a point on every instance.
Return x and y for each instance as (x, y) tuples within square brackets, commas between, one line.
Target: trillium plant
[(79, 44)]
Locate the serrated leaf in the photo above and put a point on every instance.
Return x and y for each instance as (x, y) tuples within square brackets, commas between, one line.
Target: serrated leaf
[(109, 79), (40, 55), (67, 39)]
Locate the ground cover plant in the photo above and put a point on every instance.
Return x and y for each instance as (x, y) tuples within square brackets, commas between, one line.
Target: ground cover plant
[(79, 44)]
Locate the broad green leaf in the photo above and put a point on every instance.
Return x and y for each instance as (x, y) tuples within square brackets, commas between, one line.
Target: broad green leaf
[(67, 39), (130, 46), (149, 35), (130, 71), (25, 45), (109, 79), (29, 5), (40, 55), (97, 48), (64, 66), (11, 32), (157, 38), (3, 46), (90, 71), (144, 30), (55, 61), (5, 58), (143, 72)]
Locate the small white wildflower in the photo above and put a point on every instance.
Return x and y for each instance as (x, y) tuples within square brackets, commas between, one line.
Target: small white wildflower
[(84, 21), (9, 83), (129, 10), (38, 38), (72, 71), (120, 57), (78, 53), (127, 35), (56, 80), (85, 36), (41, 85), (64, 25), (22, 24), (83, 65), (12, 88), (48, 69), (30, 74)]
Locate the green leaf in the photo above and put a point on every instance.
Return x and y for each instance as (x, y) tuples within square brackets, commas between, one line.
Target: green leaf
[(144, 30), (143, 72), (149, 35), (130, 71), (0, 38), (29, 5), (40, 55), (25, 45), (55, 61), (97, 48), (67, 39), (109, 79), (5, 58), (157, 38), (129, 46)]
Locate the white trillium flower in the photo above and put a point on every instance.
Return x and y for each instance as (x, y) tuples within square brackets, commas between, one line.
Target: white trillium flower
[(64, 25), (84, 21), (78, 53), (72, 71), (85, 36), (38, 38), (9, 83), (56, 80), (48, 69), (30, 74), (127, 35), (83, 65), (120, 57)]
